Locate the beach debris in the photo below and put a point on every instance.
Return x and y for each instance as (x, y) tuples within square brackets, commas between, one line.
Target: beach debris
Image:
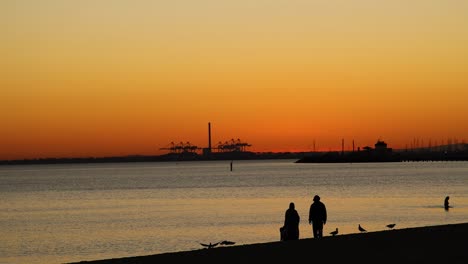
[(209, 245), (361, 228), (227, 242), (334, 233), (391, 226)]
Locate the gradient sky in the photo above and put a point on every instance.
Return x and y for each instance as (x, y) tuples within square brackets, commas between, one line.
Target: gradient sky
[(103, 78)]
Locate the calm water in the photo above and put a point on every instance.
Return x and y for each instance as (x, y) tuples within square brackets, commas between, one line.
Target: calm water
[(68, 213)]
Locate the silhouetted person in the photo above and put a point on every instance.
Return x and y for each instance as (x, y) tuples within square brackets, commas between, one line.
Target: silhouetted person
[(317, 217), (446, 203), (291, 223)]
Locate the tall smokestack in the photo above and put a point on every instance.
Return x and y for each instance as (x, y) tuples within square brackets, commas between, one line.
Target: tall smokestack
[(209, 136)]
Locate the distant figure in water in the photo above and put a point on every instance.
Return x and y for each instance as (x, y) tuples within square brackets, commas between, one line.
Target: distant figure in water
[(446, 203), (291, 224)]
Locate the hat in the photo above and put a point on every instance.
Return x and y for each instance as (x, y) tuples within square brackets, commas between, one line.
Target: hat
[(316, 198)]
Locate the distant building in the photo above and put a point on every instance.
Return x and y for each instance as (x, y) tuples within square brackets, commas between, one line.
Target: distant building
[(381, 146)]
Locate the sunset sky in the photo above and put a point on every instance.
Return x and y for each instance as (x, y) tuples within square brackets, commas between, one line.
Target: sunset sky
[(119, 77)]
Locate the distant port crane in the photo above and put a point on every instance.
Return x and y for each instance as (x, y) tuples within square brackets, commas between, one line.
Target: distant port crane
[(181, 147), (227, 146), (233, 145)]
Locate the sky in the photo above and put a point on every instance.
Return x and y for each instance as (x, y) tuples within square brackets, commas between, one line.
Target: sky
[(94, 78)]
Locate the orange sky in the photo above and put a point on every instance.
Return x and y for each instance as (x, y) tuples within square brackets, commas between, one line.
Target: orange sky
[(105, 78)]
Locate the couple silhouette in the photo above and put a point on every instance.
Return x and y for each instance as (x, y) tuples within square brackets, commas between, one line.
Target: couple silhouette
[(317, 218)]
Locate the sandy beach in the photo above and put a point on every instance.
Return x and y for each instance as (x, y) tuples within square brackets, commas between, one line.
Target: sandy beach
[(431, 244)]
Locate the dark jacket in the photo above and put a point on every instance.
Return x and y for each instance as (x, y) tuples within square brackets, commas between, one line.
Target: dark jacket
[(318, 212)]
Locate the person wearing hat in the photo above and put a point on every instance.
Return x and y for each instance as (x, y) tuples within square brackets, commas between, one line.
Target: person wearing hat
[(317, 217)]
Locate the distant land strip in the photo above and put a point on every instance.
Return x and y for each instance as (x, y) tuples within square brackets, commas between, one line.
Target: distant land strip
[(460, 154), (189, 156)]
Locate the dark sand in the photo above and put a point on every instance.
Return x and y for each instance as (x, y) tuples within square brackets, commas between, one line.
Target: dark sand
[(433, 244)]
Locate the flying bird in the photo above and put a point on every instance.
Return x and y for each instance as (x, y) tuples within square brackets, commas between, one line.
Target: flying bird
[(209, 245), (334, 233), (391, 226), (226, 242), (361, 229)]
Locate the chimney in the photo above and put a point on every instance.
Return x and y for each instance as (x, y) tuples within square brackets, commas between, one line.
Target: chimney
[(209, 137)]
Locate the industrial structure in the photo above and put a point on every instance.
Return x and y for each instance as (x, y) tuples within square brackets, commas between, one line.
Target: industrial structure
[(222, 147), (181, 147), (233, 145)]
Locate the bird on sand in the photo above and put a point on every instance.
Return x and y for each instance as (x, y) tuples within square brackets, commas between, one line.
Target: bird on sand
[(209, 245), (361, 229), (226, 242), (391, 226), (334, 233)]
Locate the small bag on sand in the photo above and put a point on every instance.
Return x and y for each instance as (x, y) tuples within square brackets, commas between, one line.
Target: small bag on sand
[(283, 233)]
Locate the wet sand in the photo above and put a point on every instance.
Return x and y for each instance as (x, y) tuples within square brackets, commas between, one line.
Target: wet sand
[(432, 244)]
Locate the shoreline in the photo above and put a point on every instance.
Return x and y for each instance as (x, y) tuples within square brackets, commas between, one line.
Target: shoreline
[(429, 244)]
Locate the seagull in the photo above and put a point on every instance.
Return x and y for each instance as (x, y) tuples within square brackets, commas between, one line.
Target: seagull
[(361, 229), (226, 242), (209, 245), (391, 226), (334, 232)]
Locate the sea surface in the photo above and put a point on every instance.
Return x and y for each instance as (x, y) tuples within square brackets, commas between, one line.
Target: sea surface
[(75, 212)]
